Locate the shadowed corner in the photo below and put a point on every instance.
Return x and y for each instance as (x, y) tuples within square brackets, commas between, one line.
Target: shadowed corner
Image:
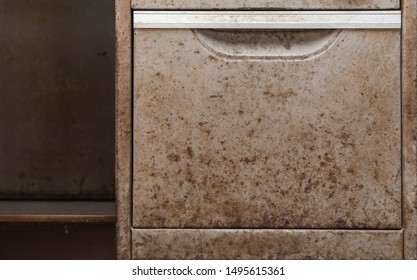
[(57, 241)]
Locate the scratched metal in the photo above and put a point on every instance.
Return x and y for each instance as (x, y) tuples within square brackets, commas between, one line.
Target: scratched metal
[(312, 142), (266, 244), (266, 4)]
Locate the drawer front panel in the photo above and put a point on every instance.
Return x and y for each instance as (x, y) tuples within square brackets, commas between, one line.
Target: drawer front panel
[(267, 129), (266, 244), (266, 4)]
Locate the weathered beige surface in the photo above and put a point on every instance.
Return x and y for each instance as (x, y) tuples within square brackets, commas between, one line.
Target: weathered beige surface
[(265, 4), (266, 244), (123, 128), (312, 142), (56, 99), (410, 128)]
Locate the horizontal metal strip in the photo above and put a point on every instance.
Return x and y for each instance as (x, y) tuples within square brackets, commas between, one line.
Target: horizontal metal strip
[(262, 244), (268, 19), (57, 211)]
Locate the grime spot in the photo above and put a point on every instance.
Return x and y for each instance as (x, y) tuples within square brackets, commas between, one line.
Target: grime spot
[(174, 157), (190, 152), (332, 177), (251, 132), (189, 174), (340, 223), (249, 160), (280, 96)]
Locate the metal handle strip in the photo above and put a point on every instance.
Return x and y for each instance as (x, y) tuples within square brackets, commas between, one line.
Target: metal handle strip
[(268, 19)]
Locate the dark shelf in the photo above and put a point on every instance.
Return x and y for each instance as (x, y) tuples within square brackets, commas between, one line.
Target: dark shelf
[(57, 211)]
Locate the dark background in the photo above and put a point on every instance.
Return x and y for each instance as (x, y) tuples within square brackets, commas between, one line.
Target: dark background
[(57, 121)]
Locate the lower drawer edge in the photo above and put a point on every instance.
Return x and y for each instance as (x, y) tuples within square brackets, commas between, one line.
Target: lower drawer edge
[(174, 244)]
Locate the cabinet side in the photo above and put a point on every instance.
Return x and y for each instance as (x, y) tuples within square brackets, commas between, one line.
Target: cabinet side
[(123, 128), (409, 95)]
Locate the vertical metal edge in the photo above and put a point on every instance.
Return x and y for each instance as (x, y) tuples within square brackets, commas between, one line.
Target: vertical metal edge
[(123, 17), (409, 132)]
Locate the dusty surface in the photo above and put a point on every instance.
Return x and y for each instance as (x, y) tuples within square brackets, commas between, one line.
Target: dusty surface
[(410, 128), (267, 143), (266, 244), (56, 99), (264, 4)]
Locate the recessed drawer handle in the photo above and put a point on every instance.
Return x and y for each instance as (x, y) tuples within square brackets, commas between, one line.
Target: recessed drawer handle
[(266, 44), (268, 19)]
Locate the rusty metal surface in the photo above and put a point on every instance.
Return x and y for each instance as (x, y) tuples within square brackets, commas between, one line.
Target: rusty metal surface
[(410, 128), (123, 128), (57, 99), (266, 244), (266, 4), (225, 142)]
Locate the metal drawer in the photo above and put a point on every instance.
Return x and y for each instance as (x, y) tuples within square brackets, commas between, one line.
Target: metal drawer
[(267, 129)]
